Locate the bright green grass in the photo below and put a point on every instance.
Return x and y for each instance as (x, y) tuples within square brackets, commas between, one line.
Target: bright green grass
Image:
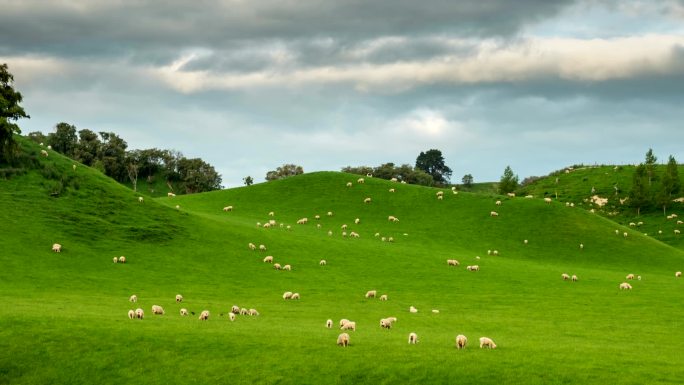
[(63, 318)]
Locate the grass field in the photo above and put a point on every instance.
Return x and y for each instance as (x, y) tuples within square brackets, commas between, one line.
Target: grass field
[(63, 318)]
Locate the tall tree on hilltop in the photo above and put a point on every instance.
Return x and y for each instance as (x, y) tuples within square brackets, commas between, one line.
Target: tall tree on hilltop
[(284, 171), (650, 163), (670, 185), (508, 182), (197, 175), (639, 196), (10, 110), (432, 162), (64, 139)]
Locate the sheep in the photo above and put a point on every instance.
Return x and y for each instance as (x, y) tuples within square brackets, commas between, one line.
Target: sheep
[(329, 324), (271, 213), (343, 321), (511, 195), (392, 218), (244, 311), (529, 196), (473, 268), (302, 221), (383, 239), (493, 214), (276, 266), (357, 221), (461, 341), (440, 197), (141, 199), (295, 296), (394, 180), (156, 309), (487, 342), (680, 222), (44, 153), (322, 262), (170, 194), (330, 213), (317, 217), (262, 248), (57, 248), (267, 225), (288, 227), (354, 234), (677, 232), (625, 286), (489, 252), (287, 295), (574, 278), (391, 190), (115, 260), (183, 312), (392, 319), (525, 241), (367, 200), (413, 310), (385, 323), (632, 224), (452, 262), (360, 181), (287, 267), (179, 298), (678, 274), (565, 277), (122, 259), (204, 315), (235, 309), (131, 314), (258, 224), (268, 259), (343, 340), (581, 246), (498, 203), (231, 316), (330, 233), (371, 293), (413, 338), (139, 313), (630, 276), (435, 311), (253, 313), (228, 208), (349, 184), (495, 252), (547, 200), (639, 277), (477, 257), (344, 233), (252, 246), (390, 239), (383, 297), (351, 325), (133, 298), (343, 227), (625, 234)]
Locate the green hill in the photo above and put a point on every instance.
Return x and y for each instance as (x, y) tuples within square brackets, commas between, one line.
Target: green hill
[(64, 318)]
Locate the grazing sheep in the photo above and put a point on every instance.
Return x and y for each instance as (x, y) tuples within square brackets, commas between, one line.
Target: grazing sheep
[(115, 260), (252, 246), (329, 324), (385, 323), (204, 315), (473, 268), (179, 298), (461, 341), (360, 181), (276, 266), (330, 214), (262, 248), (268, 259), (57, 248), (349, 184), (302, 221), (390, 239), (413, 310), (122, 259), (677, 232), (371, 293), (228, 208), (477, 257), (343, 339), (322, 262), (354, 234), (253, 312), (495, 252), (413, 338), (156, 309), (452, 262), (139, 313), (131, 314), (367, 200), (383, 239), (231, 316), (392, 319), (44, 153), (525, 241), (581, 246), (383, 297), (489, 252), (392, 218), (494, 214), (512, 195), (625, 286), (391, 190), (630, 276), (632, 224), (565, 277), (235, 309), (287, 295), (330, 233), (351, 325), (639, 277), (625, 234), (344, 233), (440, 197), (170, 194), (357, 221), (343, 321), (435, 311), (271, 213), (183, 312), (529, 196), (317, 217), (487, 342), (295, 296), (267, 225), (287, 267), (343, 227), (498, 203), (680, 222), (678, 274), (547, 200), (244, 311), (574, 278), (133, 298), (141, 199)]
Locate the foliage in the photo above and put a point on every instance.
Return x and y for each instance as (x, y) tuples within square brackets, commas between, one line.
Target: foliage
[(64, 139), (88, 147), (10, 111), (670, 185), (284, 171), (467, 180), (649, 164), (508, 182), (197, 175), (432, 162), (640, 194), (248, 180), (404, 173)]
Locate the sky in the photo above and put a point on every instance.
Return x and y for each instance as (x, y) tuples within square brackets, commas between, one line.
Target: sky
[(248, 85)]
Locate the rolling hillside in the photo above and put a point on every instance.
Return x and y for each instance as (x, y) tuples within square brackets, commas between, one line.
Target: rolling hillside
[(64, 315)]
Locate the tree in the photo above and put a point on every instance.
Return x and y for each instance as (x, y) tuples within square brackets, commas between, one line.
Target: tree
[(650, 165), (508, 182), (132, 161), (88, 147), (197, 175), (9, 111), (467, 180), (432, 162), (113, 155), (284, 171), (639, 195), (248, 180), (64, 139), (670, 185)]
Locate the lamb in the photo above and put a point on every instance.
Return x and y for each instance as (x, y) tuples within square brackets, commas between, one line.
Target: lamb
[(133, 298), (204, 315), (231, 316), (452, 262), (625, 286), (228, 208), (268, 259), (253, 313), (57, 248), (367, 200), (343, 340), (244, 311), (131, 314), (498, 203), (295, 296), (678, 274), (494, 214), (183, 312), (276, 266), (385, 323), (357, 221), (413, 338), (122, 259), (302, 221), (565, 277), (287, 267), (322, 262), (179, 298), (156, 309), (371, 293), (461, 341), (413, 310), (351, 325), (329, 324), (287, 295), (383, 297), (139, 313), (343, 321), (630, 276), (487, 342)]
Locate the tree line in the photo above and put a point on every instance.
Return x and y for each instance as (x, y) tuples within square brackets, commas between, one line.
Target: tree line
[(651, 189), (430, 170)]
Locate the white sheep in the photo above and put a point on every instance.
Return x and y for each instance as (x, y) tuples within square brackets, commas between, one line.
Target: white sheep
[(262, 248), (495, 252), (44, 153), (625, 234), (141, 199), (390, 239), (581, 246), (302, 221), (330, 213), (343, 227), (349, 184), (179, 298), (156, 309), (498, 203), (525, 241), (452, 262), (170, 194), (322, 262), (253, 313), (228, 208), (677, 232), (413, 310), (529, 196), (287, 295), (547, 200), (204, 315), (678, 274), (287, 267), (329, 324), (271, 213), (354, 234), (473, 268), (57, 248), (115, 260), (461, 341), (330, 233), (277, 266), (317, 217), (625, 286), (512, 195), (494, 214), (385, 323), (343, 339), (391, 190), (244, 311), (383, 297), (133, 298), (252, 246), (486, 342), (565, 277), (122, 259), (343, 321), (183, 312), (139, 313), (367, 200), (392, 218), (131, 314), (231, 316), (574, 278), (235, 309), (295, 296), (357, 221), (371, 293), (360, 181), (350, 325), (630, 276), (435, 311), (268, 259), (413, 338)]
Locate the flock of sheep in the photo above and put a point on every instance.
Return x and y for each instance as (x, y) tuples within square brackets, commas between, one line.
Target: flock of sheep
[(139, 313)]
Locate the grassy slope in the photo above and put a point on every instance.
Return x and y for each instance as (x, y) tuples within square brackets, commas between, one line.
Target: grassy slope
[(63, 319), (576, 187)]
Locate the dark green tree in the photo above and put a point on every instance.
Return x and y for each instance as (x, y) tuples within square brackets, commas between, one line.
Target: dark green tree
[(284, 171), (639, 196), (197, 175), (10, 112), (467, 180), (88, 147), (508, 182), (650, 164), (132, 162), (64, 139), (432, 162), (113, 156), (670, 185), (248, 180)]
